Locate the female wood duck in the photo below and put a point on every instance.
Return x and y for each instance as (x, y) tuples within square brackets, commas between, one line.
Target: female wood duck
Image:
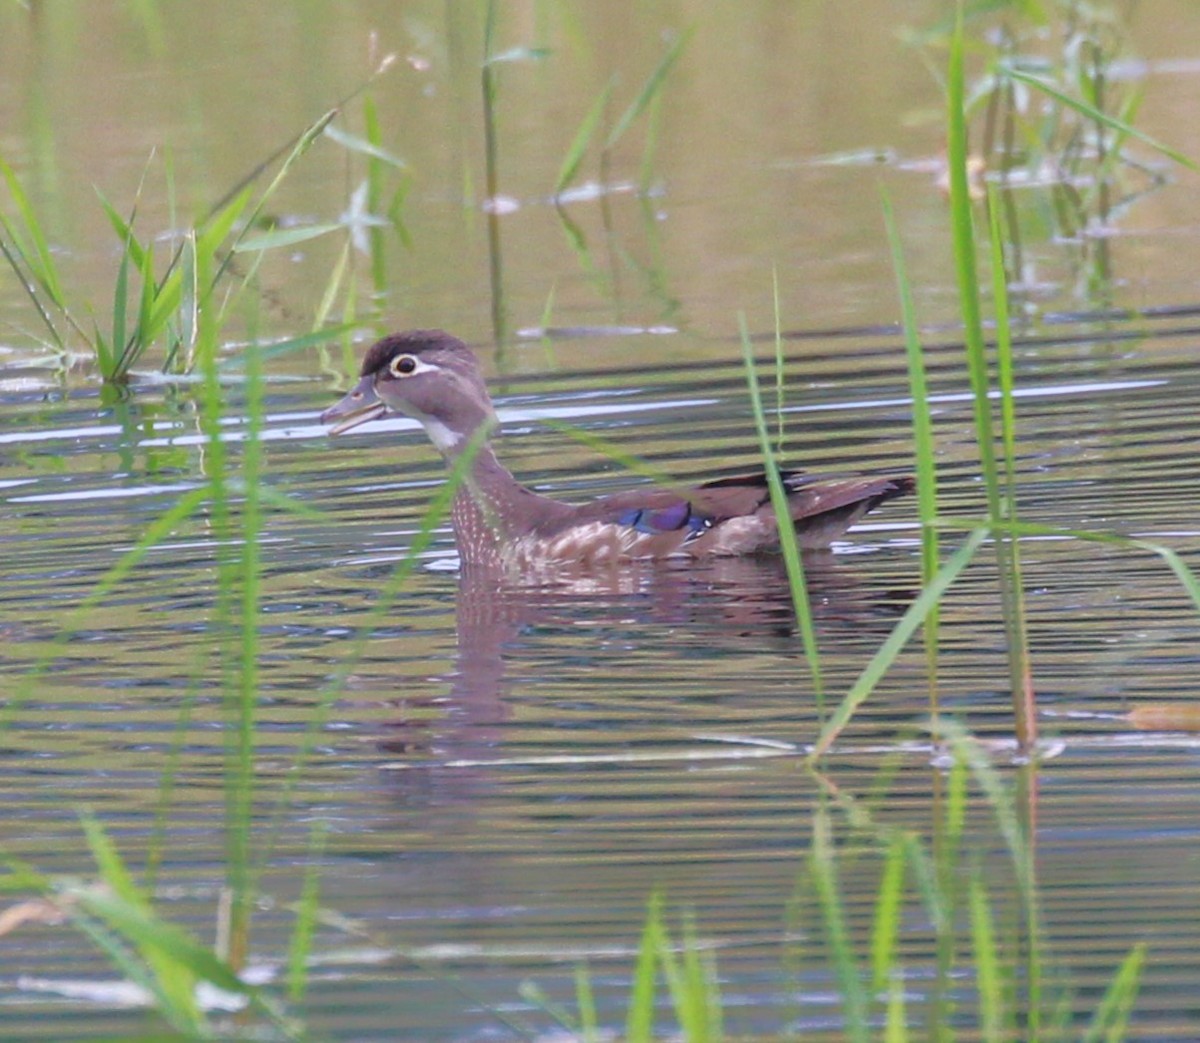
[(435, 378)]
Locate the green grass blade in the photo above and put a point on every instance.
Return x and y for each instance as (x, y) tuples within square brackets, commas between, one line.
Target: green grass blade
[(303, 143), (953, 822), (132, 967), (913, 617), (823, 867), (1110, 1023), (306, 915), (285, 237), (788, 543), (1095, 114), (639, 1021), (216, 229), (693, 992), (895, 1028), (38, 257), (988, 983), (999, 800), (375, 205), (925, 880), (583, 137), (1177, 565), (963, 226), (533, 994), (333, 286), (654, 83), (150, 933), (142, 335), (123, 228), (1015, 618), (111, 866), (120, 299), (1005, 375), (189, 298), (585, 1003), (128, 912), (886, 928), (302, 342), (923, 443), (780, 382), (364, 146), (604, 446), (650, 149), (245, 696), (30, 290), (963, 234)]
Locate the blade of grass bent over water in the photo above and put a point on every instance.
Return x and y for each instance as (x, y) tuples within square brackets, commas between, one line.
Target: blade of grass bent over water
[(654, 84), (1095, 114), (583, 136), (923, 444), (913, 617), (788, 543)]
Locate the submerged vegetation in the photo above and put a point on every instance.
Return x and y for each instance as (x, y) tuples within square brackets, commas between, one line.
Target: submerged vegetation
[(986, 962)]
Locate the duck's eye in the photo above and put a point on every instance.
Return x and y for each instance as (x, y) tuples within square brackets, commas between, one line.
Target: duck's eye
[(403, 365)]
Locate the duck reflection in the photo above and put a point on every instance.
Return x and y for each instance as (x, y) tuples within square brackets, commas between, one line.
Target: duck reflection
[(720, 602)]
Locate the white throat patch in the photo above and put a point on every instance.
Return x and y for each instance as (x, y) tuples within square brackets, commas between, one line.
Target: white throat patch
[(440, 435)]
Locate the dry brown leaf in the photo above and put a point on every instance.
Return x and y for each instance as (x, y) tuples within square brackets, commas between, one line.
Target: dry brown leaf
[(35, 910), (1166, 717)]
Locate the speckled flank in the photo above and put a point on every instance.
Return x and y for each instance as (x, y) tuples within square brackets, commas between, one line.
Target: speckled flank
[(597, 543)]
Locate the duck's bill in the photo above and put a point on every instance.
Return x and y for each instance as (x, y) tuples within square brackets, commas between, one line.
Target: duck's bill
[(361, 405)]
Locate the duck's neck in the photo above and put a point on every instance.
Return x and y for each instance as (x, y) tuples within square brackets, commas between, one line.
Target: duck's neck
[(483, 507), (491, 509)]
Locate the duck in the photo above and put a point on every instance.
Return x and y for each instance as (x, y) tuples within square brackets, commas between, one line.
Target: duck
[(433, 377)]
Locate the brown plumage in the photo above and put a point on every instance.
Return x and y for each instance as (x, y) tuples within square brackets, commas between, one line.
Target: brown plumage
[(435, 378)]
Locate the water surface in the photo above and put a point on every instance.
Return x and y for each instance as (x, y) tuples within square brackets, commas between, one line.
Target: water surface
[(505, 779)]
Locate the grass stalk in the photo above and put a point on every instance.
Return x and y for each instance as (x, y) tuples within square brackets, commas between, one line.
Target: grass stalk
[(491, 158), (887, 915), (639, 1020), (1110, 1023), (904, 629), (578, 147), (823, 867), (225, 616), (895, 1029), (788, 543), (244, 697), (585, 1002), (923, 444), (780, 381), (964, 239), (307, 910), (988, 986), (650, 90)]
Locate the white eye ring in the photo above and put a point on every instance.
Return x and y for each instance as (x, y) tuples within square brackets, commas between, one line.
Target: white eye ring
[(404, 366)]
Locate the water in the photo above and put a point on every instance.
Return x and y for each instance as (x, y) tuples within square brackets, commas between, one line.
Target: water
[(505, 780)]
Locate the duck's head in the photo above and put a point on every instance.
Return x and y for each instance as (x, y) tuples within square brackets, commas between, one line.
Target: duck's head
[(426, 374)]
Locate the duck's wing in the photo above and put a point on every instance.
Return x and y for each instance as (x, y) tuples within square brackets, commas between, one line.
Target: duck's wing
[(726, 516)]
